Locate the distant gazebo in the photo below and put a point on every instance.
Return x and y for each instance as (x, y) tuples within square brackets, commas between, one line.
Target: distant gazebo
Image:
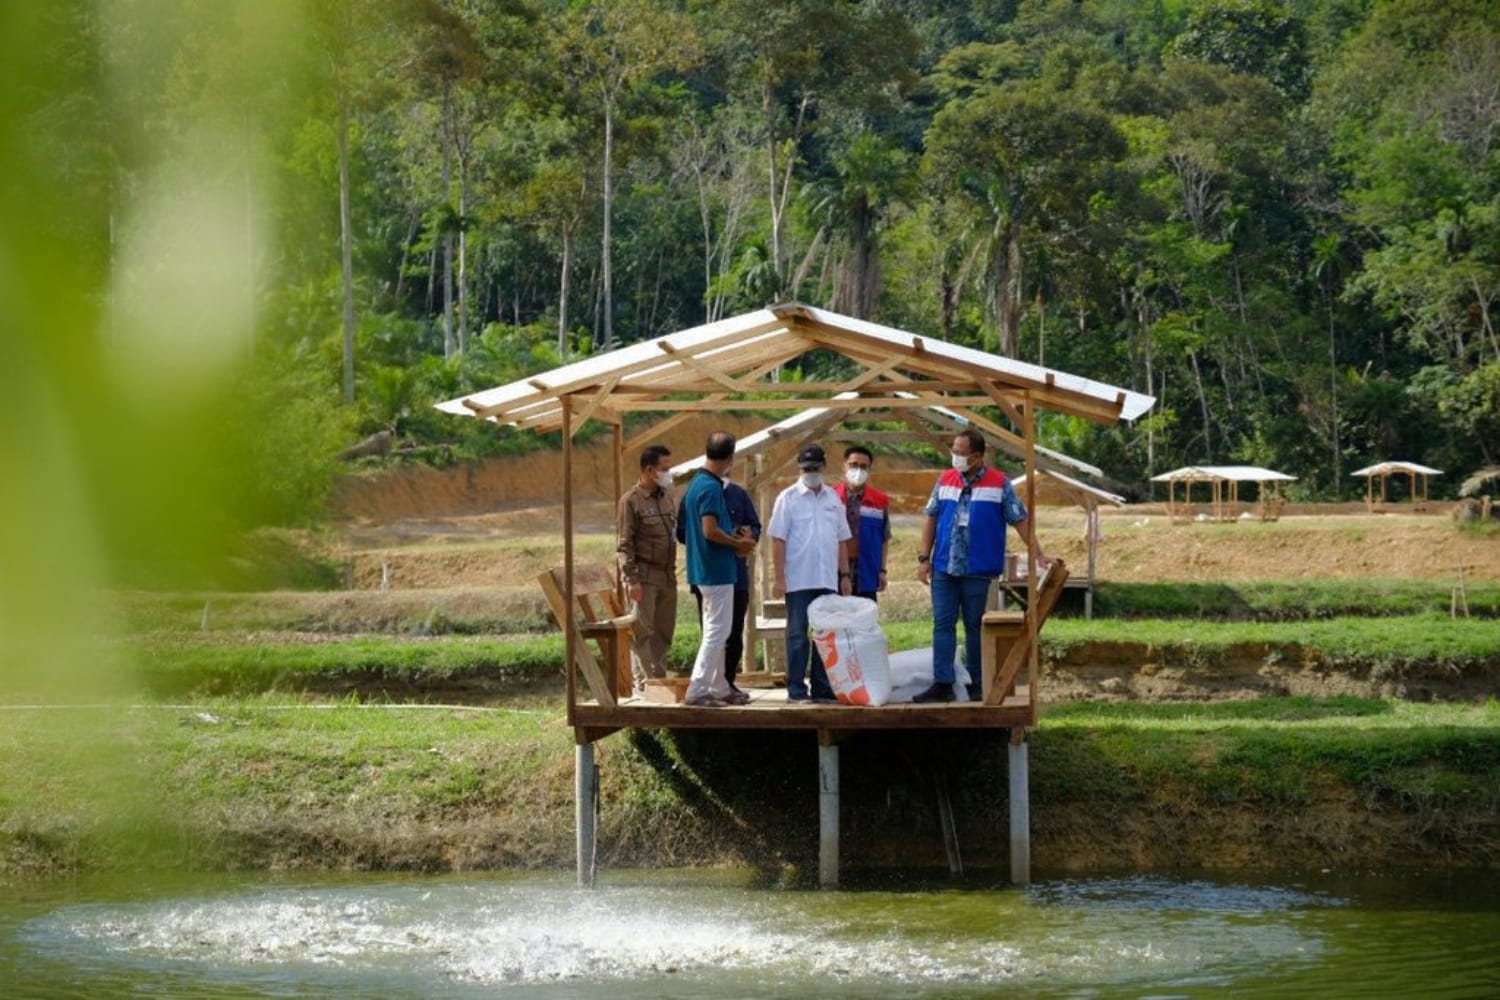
[(1224, 489), (1416, 479)]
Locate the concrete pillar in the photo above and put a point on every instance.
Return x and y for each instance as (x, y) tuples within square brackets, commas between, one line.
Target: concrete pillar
[(585, 799), (828, 815), (1020, 811)]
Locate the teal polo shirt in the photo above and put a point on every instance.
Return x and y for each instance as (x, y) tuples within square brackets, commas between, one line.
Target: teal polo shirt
[(708, 565)]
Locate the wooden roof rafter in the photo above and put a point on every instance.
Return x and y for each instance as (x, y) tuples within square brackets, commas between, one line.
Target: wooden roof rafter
[(714, 359)]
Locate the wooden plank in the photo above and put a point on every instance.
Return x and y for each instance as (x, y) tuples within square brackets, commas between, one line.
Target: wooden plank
[(779, 715), (625, 370), (701, 367), (1025, 651), (581, 655)]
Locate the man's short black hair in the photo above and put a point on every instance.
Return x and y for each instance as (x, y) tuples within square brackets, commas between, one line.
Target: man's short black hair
[(654, 454), (858, 449), (720, 446), (975, 439)]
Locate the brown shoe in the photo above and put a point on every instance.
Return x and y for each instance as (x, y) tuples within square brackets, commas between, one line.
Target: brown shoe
[(704, 701)]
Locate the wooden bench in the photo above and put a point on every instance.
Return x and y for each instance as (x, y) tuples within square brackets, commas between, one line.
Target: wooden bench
[(596, 613), (1005, 638)]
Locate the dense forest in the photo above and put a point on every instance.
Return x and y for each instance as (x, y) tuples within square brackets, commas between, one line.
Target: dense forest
[(1279, 217)]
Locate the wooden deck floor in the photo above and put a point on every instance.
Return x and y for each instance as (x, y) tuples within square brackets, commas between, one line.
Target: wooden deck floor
[(769, 709)]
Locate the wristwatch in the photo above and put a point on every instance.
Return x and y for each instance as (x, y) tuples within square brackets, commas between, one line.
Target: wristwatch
[(923, 560)]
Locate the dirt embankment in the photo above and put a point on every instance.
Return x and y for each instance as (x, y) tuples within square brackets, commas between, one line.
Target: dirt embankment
[(421, 492)]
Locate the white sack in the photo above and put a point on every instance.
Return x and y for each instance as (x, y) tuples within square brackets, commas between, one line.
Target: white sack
[(846, 631), (911, 674)]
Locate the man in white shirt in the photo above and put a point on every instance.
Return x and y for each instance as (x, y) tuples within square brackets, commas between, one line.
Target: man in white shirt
[(810, 546)]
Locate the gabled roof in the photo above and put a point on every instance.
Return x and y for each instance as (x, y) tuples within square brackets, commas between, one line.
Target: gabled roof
[(1385, 468), (725, 362), (1223, 474)]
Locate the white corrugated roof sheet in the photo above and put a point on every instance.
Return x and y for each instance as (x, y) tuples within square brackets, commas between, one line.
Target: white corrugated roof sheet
[(1070, 485), (1223, 473), (1385, 468)]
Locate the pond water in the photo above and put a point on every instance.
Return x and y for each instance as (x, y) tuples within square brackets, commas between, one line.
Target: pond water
[(690, 934)]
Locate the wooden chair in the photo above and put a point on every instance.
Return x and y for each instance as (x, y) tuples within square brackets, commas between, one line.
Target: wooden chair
[(595, 612), (1005, 639)]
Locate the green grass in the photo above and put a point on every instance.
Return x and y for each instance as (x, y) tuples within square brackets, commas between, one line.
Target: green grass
[(211, 663), (1285, 750), (1289, 600), (265, 782), (203, 784)]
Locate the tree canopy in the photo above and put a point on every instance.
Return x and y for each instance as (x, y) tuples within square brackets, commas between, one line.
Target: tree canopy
[(1280, 217)]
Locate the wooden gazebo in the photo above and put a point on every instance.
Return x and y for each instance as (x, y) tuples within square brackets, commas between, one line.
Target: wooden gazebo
[(1224, 490), (1415, 474), (731, 365)]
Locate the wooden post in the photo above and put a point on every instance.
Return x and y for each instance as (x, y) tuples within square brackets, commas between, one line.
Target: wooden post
[(1092, 514), (1020, 809), (585, 809), (1028, 430), (617, 451), (828, 812), (570, 642)]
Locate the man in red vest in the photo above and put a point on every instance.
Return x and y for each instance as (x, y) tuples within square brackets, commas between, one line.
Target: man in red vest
[(962, 552), (869, 513)]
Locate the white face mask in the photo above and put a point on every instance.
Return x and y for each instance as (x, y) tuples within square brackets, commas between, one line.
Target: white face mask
[(812, 480), (856, 476), (961, 462), (664, 480)]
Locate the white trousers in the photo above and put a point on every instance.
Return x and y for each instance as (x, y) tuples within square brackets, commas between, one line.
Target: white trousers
[(718, 621)]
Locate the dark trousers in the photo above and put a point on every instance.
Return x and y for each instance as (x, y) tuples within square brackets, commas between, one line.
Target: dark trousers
[(800, 649), (734, 649)]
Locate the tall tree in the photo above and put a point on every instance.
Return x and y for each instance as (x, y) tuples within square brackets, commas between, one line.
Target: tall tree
[(613, 47), (1010, 156), (352, 39)]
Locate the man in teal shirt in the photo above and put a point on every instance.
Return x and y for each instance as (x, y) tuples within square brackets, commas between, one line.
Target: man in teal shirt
[(711, 552)]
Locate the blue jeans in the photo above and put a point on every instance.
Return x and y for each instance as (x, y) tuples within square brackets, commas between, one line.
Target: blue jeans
[(798, 646), (950, 595)]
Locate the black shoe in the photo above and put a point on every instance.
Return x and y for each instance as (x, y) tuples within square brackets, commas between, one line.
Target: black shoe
[(938, 692), (975, 694)]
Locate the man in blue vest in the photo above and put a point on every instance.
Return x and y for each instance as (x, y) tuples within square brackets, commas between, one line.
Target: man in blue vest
[(962, 551)]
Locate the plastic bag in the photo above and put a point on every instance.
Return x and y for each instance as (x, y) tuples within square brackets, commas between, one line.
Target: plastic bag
[(846, 631), (911, 674)]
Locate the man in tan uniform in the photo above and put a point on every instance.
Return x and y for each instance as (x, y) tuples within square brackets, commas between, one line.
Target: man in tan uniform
[(646, 541)]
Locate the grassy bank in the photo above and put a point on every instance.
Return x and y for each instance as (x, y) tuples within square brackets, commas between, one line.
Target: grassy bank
[(1289, 600), (520, 609), (211, 663), (1273, 783)]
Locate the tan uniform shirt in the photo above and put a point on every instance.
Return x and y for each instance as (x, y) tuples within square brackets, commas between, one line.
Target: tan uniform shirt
[(646, 536)]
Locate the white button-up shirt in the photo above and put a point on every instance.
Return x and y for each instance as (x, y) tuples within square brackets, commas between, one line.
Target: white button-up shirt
[(812, 524)]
